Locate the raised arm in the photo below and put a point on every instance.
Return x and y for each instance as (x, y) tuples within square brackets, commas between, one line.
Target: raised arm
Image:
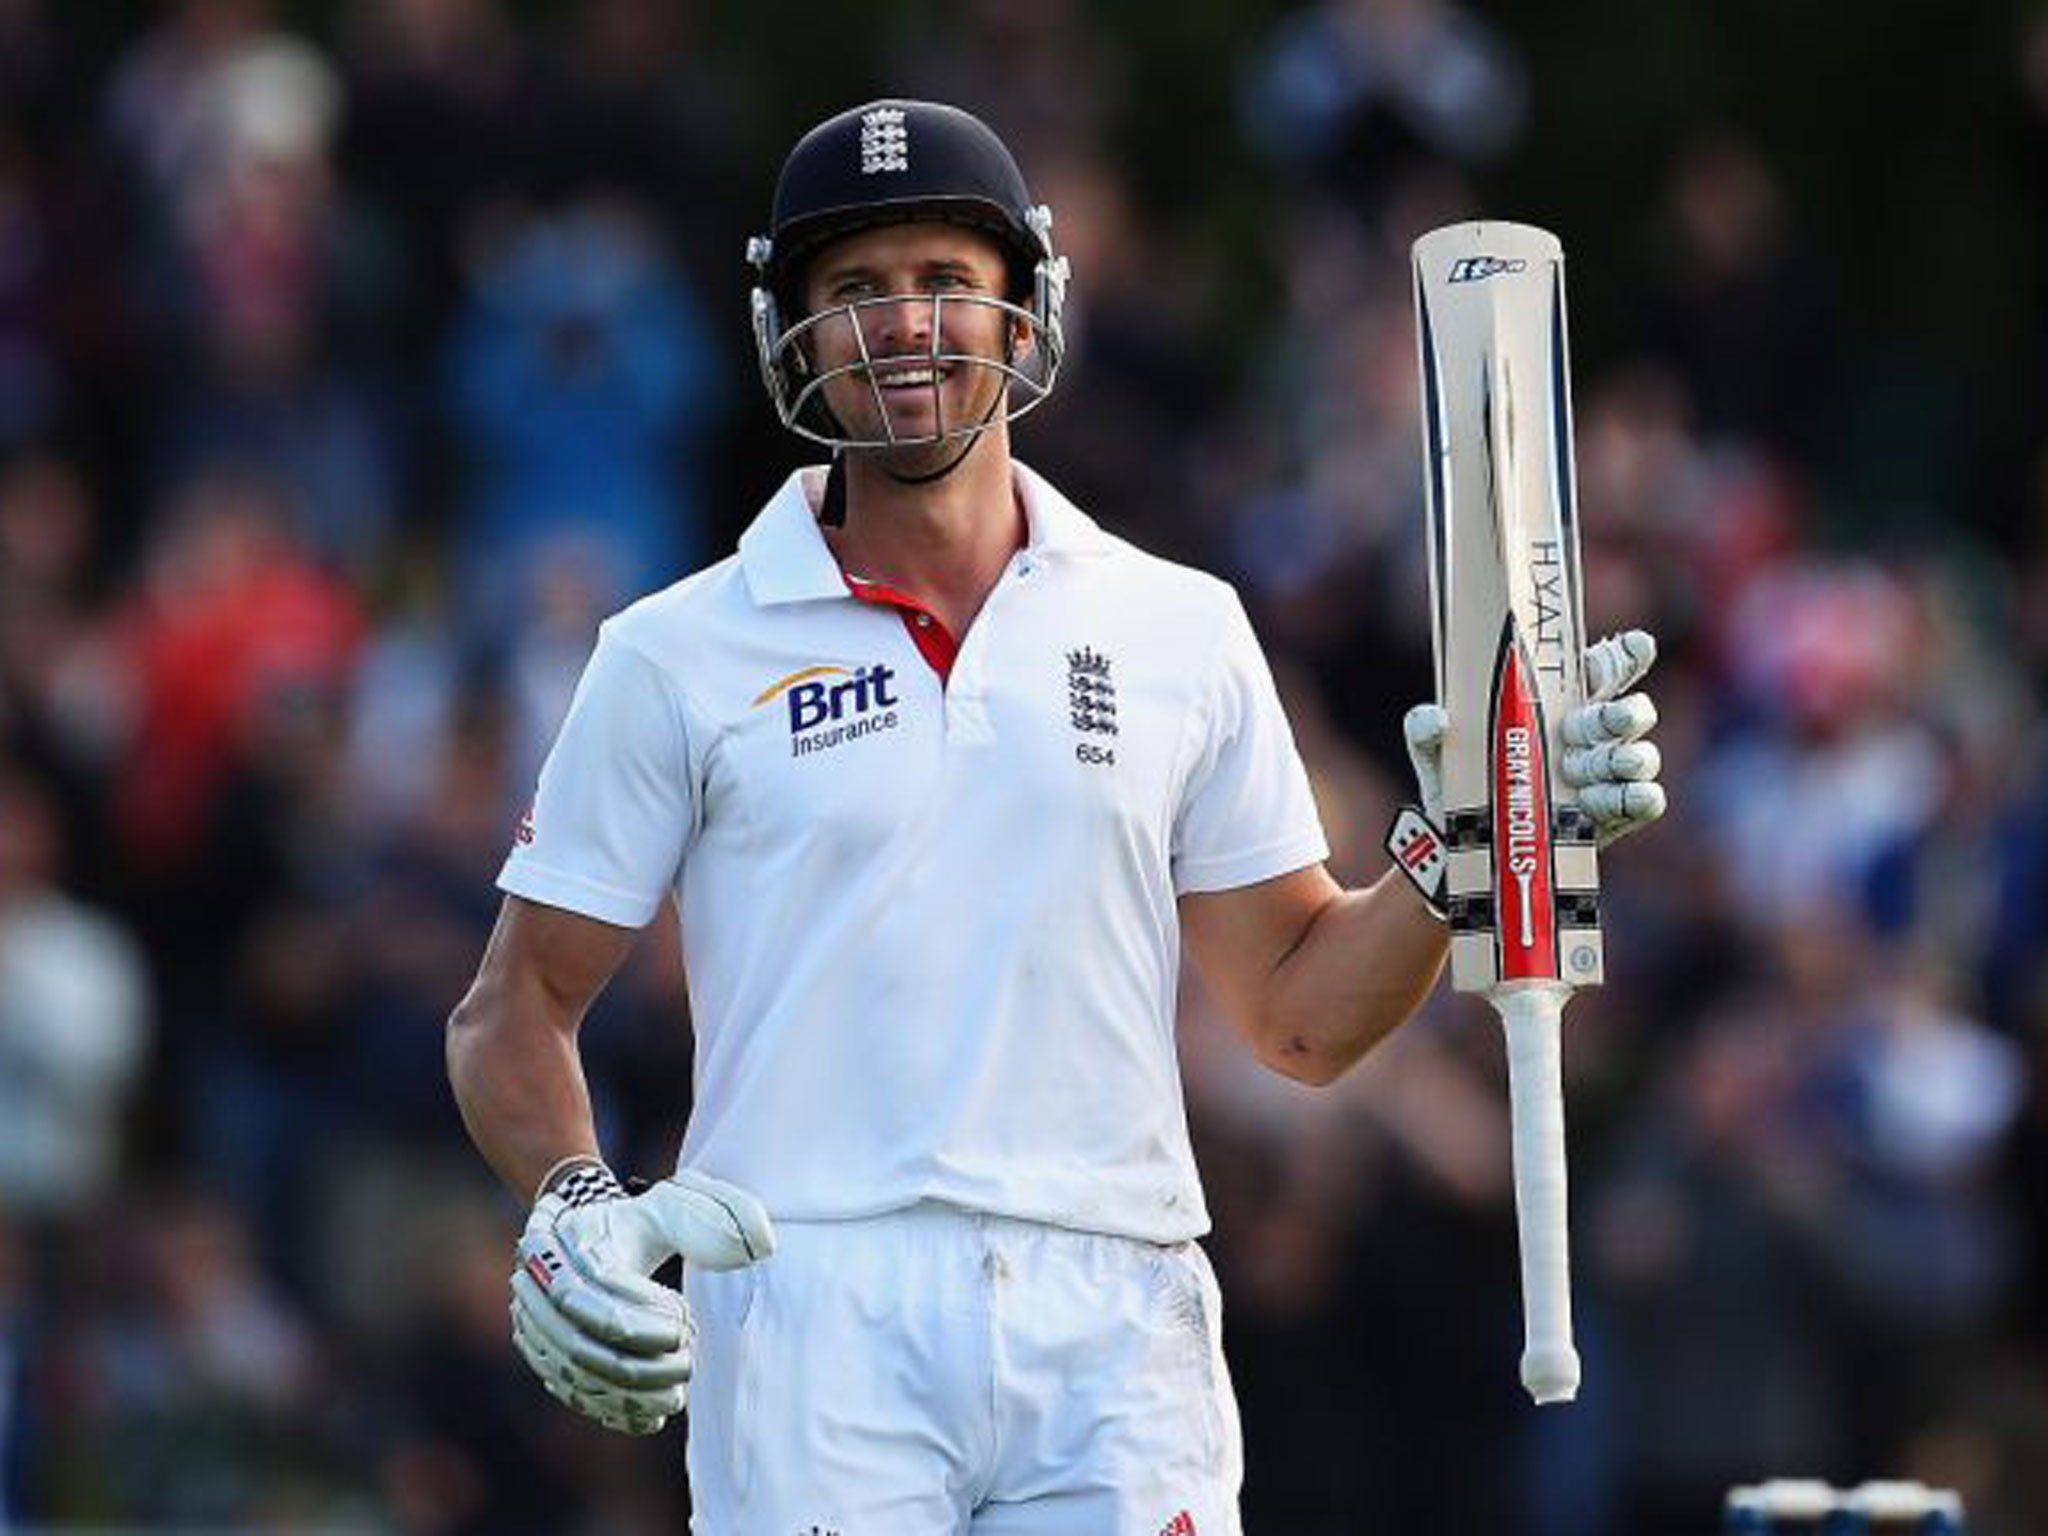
[(512, 1057), (1313, 975)]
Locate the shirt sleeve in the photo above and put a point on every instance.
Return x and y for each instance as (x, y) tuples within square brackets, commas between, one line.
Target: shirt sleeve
[(1247, 814), (614, 811)]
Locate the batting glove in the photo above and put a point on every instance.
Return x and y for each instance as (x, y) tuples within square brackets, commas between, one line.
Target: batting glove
[(1423, 729), (1415, 840), (1606, 758), (601, 1335)]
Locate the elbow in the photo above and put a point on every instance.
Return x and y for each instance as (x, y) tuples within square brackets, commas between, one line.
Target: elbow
[(1317, 1051), (1296, 1054), (464, 1019), (1312, 1072), (460, 1029), (468, 1021), (467, 1013)]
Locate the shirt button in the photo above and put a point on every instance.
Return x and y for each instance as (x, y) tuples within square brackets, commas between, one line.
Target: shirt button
[(924, 621)]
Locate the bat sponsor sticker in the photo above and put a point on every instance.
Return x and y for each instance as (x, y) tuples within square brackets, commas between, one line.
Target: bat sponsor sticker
[(1526, 921)]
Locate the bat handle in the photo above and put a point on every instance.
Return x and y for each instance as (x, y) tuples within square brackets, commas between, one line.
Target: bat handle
[(1530, 1013)]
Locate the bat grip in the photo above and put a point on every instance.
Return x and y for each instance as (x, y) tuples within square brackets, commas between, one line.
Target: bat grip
[(1530, 1014)]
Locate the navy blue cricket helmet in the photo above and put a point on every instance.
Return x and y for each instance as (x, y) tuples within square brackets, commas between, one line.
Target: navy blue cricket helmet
[(890, 162)]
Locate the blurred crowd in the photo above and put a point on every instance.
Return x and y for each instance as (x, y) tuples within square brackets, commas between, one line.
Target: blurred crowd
[(356, 359)]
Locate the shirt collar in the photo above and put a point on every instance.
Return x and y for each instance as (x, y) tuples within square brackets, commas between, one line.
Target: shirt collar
[(1057, 526), (784, 556), (786, 560)]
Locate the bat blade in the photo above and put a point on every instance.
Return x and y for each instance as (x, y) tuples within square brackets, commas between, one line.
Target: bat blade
[(1508, 631), (1522, 880)]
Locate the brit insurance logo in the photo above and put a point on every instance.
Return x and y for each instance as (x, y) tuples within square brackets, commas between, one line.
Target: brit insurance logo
[(830, 705)]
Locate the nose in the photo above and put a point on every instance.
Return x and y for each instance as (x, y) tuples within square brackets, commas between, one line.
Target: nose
[(901, 325)]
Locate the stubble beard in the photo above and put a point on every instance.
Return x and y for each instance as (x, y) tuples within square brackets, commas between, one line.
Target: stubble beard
[(913, 460)]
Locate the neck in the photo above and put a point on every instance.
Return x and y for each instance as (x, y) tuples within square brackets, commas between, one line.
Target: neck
[(943, 542)]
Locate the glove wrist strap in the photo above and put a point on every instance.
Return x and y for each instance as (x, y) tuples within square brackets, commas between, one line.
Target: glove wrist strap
[(581, 1179), (1416, 845)]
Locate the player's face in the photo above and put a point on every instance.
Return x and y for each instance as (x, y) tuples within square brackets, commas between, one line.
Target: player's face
[(883, 282)]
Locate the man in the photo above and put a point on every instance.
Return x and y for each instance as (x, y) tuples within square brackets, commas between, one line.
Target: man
[(942, 776)]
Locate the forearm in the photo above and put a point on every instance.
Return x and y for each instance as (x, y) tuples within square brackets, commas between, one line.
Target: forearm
[(1362, 966), (518, 1081)]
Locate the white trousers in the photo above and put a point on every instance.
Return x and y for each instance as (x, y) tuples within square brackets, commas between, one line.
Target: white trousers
[(933, 1372)]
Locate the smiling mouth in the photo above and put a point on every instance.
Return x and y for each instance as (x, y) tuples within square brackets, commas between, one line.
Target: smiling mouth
[(924, 376)]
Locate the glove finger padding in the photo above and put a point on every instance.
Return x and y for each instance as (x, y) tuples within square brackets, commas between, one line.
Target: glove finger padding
[(574, 1256), (629, 1411), (1619, 662), (537, 1312), (588, 1393), (1612, 761), (708, 1221), (1620, 808), (1626, 719), (625, 1310), (1606, 759)]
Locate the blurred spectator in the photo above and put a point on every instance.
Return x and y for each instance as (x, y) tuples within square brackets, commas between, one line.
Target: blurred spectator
[(170, 1344), (50, 714), (31, 363), (17, 1347), (1035, 70), (1356, 90), (1705, 1242), (1328, 544), (580, 389), (1746, 313), (61, 308), (459, 76), (1684, 525), (43, 72), (279, 289), (404, 696), (654, 117), (156, 100), (2017, 961), (1842, 769), (425, 906), (74, 1019), (1127, 434), (230, 620), (1802, 1223)]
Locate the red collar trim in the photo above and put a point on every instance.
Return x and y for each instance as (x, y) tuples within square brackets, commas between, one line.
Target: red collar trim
[(934, 642)]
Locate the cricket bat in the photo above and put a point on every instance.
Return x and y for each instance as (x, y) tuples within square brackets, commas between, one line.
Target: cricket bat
[(1521, 880)]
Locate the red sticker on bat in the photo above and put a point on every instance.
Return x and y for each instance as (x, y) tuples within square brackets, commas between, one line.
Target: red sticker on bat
[(1524, 904)]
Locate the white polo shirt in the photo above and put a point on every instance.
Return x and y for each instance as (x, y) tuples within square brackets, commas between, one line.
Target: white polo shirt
[(928, 920)]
